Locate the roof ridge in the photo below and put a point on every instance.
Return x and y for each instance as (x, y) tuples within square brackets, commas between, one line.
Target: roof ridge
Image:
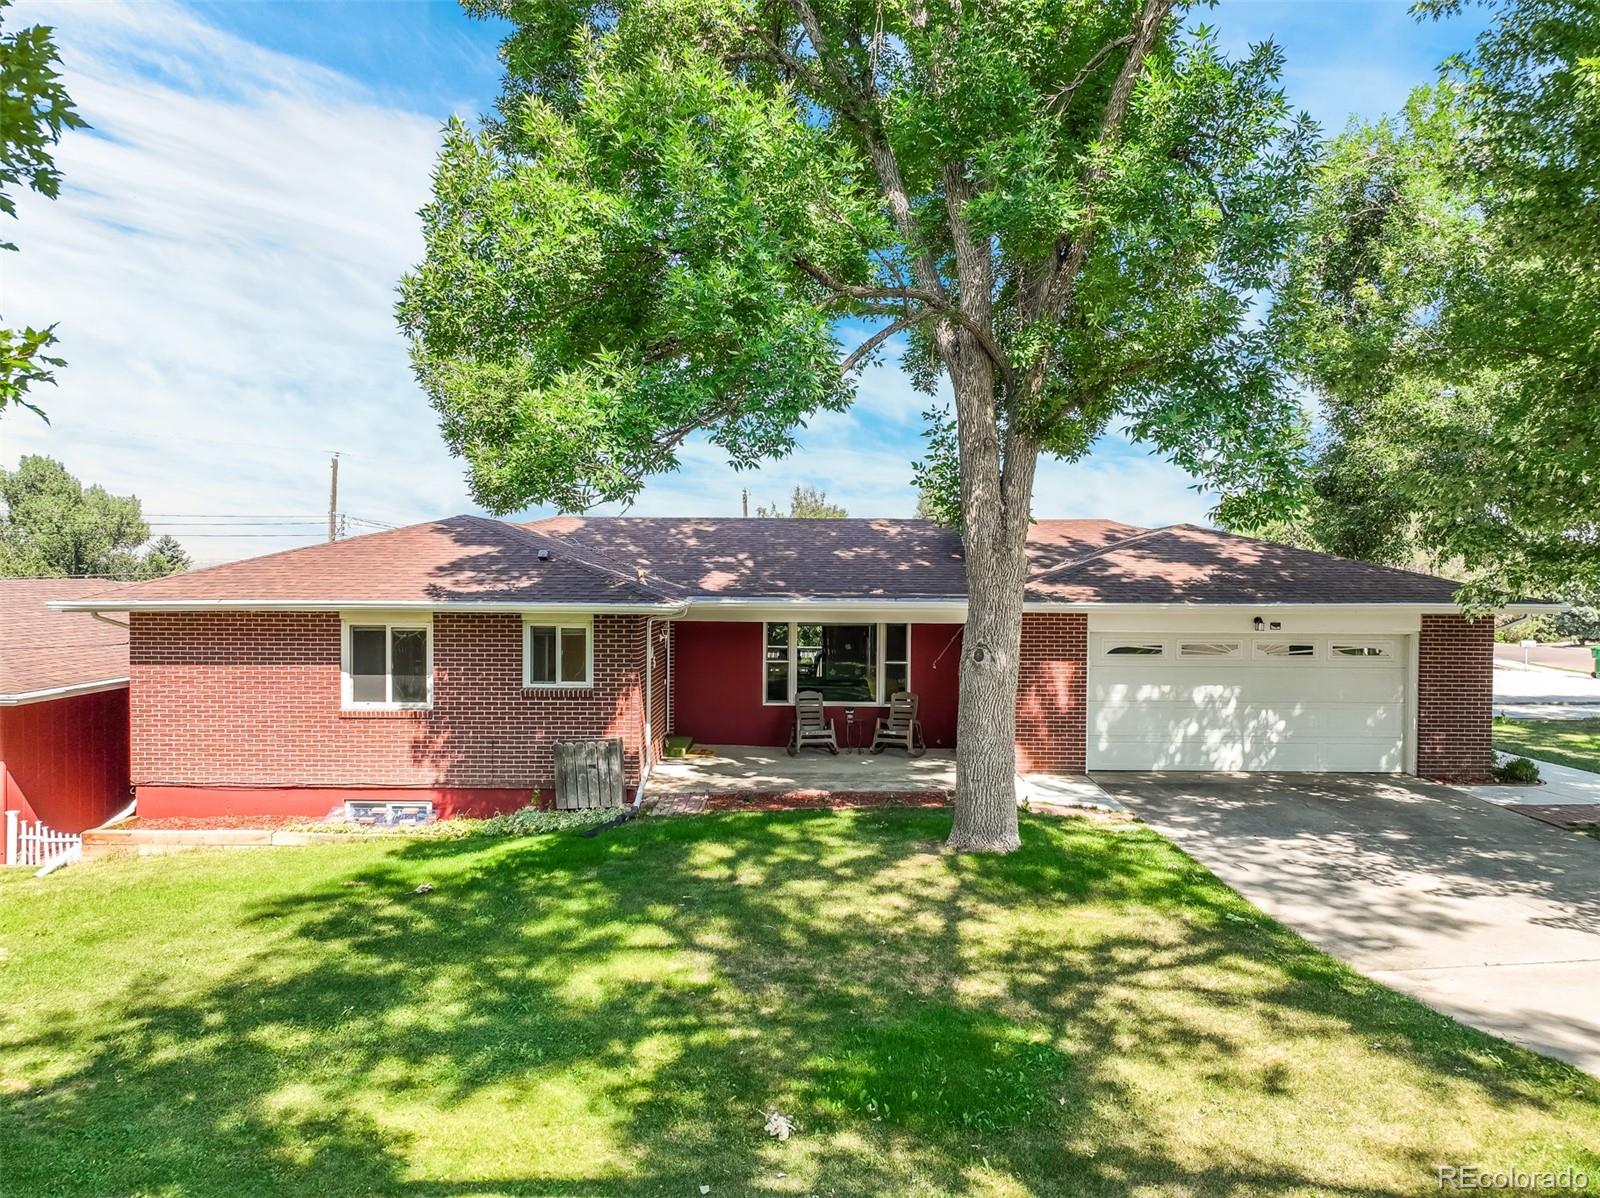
[(590, 559), (1075, 562)]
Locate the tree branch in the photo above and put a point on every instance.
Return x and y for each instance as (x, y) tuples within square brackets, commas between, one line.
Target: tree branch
[(1058, 102), (859, 354), (937, 306)]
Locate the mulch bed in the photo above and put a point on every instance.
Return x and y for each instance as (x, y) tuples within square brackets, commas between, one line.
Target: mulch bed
[(188, 823), (798, 799), (1570, 816)]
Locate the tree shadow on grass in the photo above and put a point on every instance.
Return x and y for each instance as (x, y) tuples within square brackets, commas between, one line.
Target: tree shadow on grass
[(616, 1015)]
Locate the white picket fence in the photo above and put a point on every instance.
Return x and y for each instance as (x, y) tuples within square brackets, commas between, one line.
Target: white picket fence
[(35, 844)]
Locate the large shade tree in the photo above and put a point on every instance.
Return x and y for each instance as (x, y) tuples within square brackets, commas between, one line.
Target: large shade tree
[(1443, 303), (1065, 209)]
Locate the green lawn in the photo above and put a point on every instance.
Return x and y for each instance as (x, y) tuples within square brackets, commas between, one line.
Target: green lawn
[(1565, 742), (1095, 1015)]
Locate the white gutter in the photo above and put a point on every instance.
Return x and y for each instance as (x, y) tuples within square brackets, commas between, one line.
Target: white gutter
[(491, 605), (62, 692)]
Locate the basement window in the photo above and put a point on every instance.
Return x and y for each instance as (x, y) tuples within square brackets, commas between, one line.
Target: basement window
[(557, 653), (388, 663)]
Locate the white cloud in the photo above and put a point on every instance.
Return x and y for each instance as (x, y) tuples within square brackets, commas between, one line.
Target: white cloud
[(222, 263)]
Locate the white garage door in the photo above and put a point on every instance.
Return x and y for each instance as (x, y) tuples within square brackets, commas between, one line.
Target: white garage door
[(1230, 702)]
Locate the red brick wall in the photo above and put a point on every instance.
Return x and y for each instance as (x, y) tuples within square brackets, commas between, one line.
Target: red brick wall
[(253, 699), (1455, 698), (1052, 695)]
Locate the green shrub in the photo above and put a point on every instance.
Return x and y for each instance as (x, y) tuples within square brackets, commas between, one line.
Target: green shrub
[(1516, 769), (524, 821)]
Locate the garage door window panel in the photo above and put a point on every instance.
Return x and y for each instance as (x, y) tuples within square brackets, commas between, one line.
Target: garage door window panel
[(1136, 649), (1210, 650), (1361, 651), (1285, 650)]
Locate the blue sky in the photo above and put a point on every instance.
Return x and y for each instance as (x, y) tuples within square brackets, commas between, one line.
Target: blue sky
[(223, 257)]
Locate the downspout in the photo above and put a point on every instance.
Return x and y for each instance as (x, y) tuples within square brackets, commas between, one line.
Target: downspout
[(105, 619), (648, 757)]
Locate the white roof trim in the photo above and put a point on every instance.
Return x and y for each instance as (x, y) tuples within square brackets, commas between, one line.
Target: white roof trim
[(62, 692), (110, 603), (711, 604)]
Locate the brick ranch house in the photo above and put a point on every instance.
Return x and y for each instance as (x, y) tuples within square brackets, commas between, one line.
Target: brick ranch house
[(442, 660)]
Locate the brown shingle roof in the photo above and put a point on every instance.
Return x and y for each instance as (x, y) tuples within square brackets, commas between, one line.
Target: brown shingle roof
[(817, 559), (1189, 564), (464, 559), (652, 562), (43, 650)]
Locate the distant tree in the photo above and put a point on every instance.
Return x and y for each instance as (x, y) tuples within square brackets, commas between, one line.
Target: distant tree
[(805, 503), (1442, 305), (165, 556), (34, 109), (53, 526), (1581, 622)]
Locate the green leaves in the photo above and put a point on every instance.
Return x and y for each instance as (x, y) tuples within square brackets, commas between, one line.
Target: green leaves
[(1443, 303), (34, 110), (51, 525)]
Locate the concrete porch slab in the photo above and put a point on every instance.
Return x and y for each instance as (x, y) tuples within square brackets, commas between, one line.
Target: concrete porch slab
[(753, 769)]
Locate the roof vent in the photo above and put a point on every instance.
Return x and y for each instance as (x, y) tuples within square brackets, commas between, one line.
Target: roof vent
[(544, 555)]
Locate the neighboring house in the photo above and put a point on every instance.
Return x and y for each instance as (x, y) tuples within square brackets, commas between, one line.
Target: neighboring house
[(442, 660), (63, 706)]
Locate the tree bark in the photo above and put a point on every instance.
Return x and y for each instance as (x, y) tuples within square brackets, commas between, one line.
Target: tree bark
[(995, 525)]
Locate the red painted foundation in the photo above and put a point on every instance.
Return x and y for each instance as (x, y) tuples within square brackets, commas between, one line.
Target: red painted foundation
[(314, 802)]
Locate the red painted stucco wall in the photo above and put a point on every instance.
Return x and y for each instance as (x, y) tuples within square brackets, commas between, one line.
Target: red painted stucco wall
[(718, 680), (65, 762)]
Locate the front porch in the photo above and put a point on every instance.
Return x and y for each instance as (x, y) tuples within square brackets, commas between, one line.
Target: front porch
[(753, 769)]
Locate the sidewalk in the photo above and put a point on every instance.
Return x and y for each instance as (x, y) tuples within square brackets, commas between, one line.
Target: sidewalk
[(1563, 787), (1541, 693)]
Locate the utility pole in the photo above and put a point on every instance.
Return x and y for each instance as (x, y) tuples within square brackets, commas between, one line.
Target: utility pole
[(744, 498), (333, 498)]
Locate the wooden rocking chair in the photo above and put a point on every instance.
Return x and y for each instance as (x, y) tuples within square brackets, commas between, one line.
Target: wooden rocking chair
[(812, 728), (902, 728)]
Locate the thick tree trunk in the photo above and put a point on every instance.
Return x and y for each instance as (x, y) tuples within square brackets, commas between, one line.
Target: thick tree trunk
[(995, 501), (986, 763)]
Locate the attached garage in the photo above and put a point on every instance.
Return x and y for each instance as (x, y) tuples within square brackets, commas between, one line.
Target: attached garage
[(1208, 700)]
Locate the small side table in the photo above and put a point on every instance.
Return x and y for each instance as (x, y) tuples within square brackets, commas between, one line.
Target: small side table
[(851, 744)]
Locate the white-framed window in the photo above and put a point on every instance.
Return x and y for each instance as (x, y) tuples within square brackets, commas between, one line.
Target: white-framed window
[(557, 652), (1209, 649), (1135, 649), (387, 661), (846, 663), (1361, 650), (1282, 650)]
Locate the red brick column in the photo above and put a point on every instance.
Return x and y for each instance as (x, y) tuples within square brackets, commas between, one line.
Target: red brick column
[(1052, 696), (1455, 683)]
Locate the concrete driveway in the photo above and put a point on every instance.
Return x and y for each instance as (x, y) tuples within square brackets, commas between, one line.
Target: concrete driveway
[(1486, 915)]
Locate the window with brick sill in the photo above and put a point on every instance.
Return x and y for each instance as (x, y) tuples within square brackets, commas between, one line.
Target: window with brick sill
[(387, 664), (557, 654)]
